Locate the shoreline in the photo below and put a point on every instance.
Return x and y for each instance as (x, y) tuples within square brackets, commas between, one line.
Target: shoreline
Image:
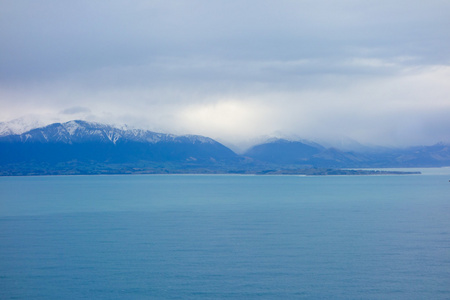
[(272, 172)]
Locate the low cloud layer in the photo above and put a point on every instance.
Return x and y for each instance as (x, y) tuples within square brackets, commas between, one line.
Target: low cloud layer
[(373, 71)]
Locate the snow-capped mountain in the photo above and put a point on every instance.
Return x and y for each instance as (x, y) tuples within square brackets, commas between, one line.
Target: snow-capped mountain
[(81, 131), (88, 141)]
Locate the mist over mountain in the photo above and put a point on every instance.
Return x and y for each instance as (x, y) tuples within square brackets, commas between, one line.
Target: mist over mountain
[(19, 126), (80, 147), (282, 151), (287, 153)]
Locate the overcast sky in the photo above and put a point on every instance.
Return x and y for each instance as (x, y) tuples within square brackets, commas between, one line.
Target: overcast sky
[(238, 71)]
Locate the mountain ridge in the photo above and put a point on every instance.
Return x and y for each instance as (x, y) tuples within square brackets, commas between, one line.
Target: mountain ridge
[(89, 141), (437, 155), (95, 147)]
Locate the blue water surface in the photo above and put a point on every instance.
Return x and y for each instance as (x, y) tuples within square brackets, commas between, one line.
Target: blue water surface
[(225, 237)]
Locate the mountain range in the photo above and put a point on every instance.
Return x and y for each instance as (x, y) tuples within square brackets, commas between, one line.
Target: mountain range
[(307, 154), (93, 142), (80, 147)]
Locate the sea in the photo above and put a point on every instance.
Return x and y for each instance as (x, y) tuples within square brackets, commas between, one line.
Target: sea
[(225, 237)]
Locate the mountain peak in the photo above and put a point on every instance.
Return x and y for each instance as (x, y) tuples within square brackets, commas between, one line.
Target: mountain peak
[(73, 126)]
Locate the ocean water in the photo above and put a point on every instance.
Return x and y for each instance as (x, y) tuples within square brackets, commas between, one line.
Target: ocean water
[(225, 237)]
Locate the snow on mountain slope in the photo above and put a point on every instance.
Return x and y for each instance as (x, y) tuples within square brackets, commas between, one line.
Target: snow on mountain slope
[(77, 131)]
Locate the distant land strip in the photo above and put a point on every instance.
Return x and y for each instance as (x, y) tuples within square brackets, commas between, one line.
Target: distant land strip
[(121, 169)]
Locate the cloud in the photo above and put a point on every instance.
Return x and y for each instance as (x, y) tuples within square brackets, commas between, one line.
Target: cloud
[(51, 38), (75, 110), (375, 71)]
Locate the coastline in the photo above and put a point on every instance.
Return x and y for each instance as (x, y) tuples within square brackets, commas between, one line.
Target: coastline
[(204, 171)]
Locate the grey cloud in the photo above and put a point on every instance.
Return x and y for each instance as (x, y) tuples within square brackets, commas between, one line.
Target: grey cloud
[(75, 110), (52, 38)]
